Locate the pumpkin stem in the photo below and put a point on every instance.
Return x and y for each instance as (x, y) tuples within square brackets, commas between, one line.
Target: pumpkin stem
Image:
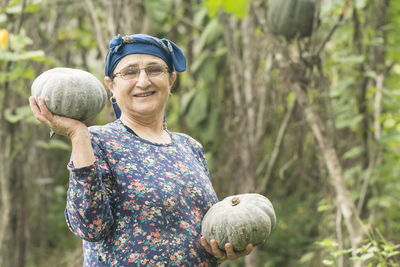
[(235, 201)]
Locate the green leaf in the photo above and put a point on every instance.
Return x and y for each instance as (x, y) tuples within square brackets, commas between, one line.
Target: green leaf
[(186, 99), (366, 256), (212, 6), (291, 98), (13, 3), (37, 55), (360, 3), (15, 115), (198, 108), (306, 258), (349, 122), (353, 152), (394, 253), (211, 33), (158, 10), (239, 8), (211, 130), (327, 243), (200, 16), (54, 144), (33, 7), (30, 7), (44, 180), (3, 18), (341, 86), (327, 262)]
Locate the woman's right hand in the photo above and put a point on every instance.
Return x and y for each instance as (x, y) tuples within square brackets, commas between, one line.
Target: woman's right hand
[(58, 124)]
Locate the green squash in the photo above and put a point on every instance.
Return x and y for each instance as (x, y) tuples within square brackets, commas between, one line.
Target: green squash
[(72, 93), (291, 17), (239, 220)]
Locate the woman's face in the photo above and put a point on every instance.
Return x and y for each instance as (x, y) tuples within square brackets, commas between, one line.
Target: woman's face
[(146, 95)]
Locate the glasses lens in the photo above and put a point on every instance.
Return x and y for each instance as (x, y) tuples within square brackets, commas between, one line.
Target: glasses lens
[(154, 70), (130, 73)]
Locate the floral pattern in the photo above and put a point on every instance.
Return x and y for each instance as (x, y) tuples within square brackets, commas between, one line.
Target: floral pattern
[(140, 203)]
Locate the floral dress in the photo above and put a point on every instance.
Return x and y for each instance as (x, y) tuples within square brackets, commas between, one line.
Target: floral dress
[(140, 203)]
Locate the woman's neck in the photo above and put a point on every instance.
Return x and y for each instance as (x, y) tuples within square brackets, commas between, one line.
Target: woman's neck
[(151, 130)]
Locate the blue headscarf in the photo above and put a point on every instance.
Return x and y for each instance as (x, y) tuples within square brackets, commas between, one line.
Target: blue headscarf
[(143, 44)]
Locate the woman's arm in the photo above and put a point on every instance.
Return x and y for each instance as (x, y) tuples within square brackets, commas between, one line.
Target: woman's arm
[(82, 151), (75, 130), (88, 212)]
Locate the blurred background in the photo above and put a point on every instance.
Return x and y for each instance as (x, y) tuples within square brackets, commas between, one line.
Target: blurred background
[(309, 119)]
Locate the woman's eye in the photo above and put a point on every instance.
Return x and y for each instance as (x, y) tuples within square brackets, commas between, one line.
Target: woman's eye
[(154, 70), (131, 72)]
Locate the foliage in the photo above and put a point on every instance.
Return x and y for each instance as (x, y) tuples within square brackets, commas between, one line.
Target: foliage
[(375, 252), (239, 8)]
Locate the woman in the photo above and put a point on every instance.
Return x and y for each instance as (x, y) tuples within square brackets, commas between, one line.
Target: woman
[(137, 192)]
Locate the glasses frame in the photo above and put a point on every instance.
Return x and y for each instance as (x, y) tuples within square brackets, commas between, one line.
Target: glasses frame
[(165, 69)]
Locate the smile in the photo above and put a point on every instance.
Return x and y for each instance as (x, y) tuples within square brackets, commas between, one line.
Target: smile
[(144, 94)]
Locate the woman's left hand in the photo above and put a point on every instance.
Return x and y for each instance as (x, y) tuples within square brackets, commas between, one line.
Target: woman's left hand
[(228, 254)]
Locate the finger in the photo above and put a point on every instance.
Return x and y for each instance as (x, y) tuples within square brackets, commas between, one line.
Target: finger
[(248, 249), (36, 111), (218, 253), (33, 105), (230, 253), (44, 110), (205, 245)]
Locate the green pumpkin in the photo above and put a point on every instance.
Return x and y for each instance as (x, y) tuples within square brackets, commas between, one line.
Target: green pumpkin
[(291, 17), (239, 220), (72, 93)]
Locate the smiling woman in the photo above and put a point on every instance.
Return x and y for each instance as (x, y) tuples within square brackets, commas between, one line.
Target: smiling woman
[(142, 95), (138, 192)]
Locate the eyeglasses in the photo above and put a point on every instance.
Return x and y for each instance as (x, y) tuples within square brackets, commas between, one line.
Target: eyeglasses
[(132, 73)]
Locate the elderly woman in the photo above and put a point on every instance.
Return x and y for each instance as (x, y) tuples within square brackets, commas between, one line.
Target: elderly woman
[(138, 192)]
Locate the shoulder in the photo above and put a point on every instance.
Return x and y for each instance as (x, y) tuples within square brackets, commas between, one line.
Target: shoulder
[(104, 132), (189, 142), (99, 129), (184, 138)]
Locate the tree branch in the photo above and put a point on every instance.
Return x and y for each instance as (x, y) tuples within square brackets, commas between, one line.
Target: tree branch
[(275, 153), (97, 28), (348, 209), (260, 126), (339, 235), (334, 27), (235, 66)]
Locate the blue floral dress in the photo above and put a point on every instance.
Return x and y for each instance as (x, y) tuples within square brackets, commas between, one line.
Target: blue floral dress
[(140, 203)]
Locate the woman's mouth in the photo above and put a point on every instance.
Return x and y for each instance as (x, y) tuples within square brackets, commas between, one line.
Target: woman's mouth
[(145, 94)]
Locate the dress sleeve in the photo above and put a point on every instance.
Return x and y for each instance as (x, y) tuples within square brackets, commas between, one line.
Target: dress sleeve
[(88, 212)]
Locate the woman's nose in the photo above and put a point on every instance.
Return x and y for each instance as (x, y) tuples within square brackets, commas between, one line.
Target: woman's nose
[(143, 79)]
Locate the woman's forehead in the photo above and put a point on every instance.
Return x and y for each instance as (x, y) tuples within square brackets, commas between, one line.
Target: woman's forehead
[(139, 59)]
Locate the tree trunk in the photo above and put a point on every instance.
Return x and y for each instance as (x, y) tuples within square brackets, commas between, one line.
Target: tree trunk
[(13, 222), (12, 202), (334, 167)]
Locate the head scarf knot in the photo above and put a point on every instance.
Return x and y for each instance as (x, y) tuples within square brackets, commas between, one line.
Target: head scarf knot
[(115, 44)]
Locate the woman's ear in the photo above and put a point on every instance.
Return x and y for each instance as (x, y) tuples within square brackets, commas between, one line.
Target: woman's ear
[(172, 79), (109, 82)]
